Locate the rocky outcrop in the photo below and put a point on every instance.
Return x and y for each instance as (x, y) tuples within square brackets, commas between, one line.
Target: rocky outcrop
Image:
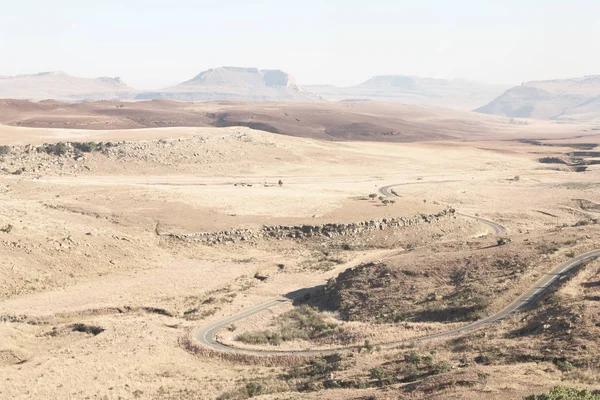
[(282, 232)]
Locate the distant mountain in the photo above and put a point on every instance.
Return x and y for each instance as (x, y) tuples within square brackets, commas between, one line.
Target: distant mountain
[(577, 98), (236, 84), (456, 93), (60, 86)]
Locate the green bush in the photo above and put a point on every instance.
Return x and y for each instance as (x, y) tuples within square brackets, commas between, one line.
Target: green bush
[(255, 388), (87, 147), (442, 367), (307, 319), (57, 149), (321, 367), (4, 150), (565, 393), (262, 337), (564, 366), (301, 323)]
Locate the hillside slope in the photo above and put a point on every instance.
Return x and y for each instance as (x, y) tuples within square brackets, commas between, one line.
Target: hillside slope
[(456, 93), (554, 99)]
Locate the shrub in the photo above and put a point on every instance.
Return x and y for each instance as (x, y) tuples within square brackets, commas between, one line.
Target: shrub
[(307, 319), (262, 337), (255, 388), (548, 248), (301, 323), (565, 393), (564, 366), (382, 376), (324, 366), (4, 150), (442, 367), (57, 149), (87, 147)]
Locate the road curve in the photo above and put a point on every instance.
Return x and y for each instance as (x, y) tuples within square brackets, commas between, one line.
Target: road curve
[(387, 191), (206, 336)]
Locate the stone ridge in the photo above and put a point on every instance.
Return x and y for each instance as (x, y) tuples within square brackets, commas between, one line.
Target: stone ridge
[(281, 232)]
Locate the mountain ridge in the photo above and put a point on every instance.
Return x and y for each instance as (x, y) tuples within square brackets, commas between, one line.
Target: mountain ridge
[(549, 99)]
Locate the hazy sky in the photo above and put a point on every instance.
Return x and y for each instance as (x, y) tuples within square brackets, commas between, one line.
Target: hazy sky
[(156, 43)]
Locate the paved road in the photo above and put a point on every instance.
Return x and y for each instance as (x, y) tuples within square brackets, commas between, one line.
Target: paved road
[(206, 336), (389, 192)]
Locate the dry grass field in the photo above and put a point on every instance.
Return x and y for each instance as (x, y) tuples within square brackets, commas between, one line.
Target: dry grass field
[(124, 230)]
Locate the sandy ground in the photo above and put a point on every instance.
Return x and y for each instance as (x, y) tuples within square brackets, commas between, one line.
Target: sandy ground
[(83, 246)]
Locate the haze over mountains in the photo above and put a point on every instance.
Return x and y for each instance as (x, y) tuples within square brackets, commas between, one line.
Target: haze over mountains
[(253, 85), (58, 85), (563, 99), (456, 93), (236, 84)]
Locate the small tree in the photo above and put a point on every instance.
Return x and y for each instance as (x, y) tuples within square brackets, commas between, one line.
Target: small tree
[(385, 202), (392, 201), (381, 198), (4, 150), (280, 183), (373, 196)]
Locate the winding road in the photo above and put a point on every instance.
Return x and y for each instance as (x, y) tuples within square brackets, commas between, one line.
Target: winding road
[(207, 335)]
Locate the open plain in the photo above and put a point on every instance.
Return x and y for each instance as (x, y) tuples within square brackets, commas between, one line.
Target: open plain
[(128, 229)]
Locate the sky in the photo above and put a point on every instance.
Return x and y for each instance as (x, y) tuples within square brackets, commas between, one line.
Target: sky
[(152, 44)]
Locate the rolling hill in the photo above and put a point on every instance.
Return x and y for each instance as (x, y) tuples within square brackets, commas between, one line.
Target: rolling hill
[(563, 99), (455, 93)]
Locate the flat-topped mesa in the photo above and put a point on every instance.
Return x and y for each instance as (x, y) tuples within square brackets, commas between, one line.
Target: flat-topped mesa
[(58, 85), (237, 84), (329, 230)]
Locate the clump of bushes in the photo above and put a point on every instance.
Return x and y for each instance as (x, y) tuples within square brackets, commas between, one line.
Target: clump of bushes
[(57, 149), (301, 323), (90, 147), (305, 320), (255, 388), (261, 337), (318, 374), (565, 393), (546, 248), (61, 148), (4, 150)]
